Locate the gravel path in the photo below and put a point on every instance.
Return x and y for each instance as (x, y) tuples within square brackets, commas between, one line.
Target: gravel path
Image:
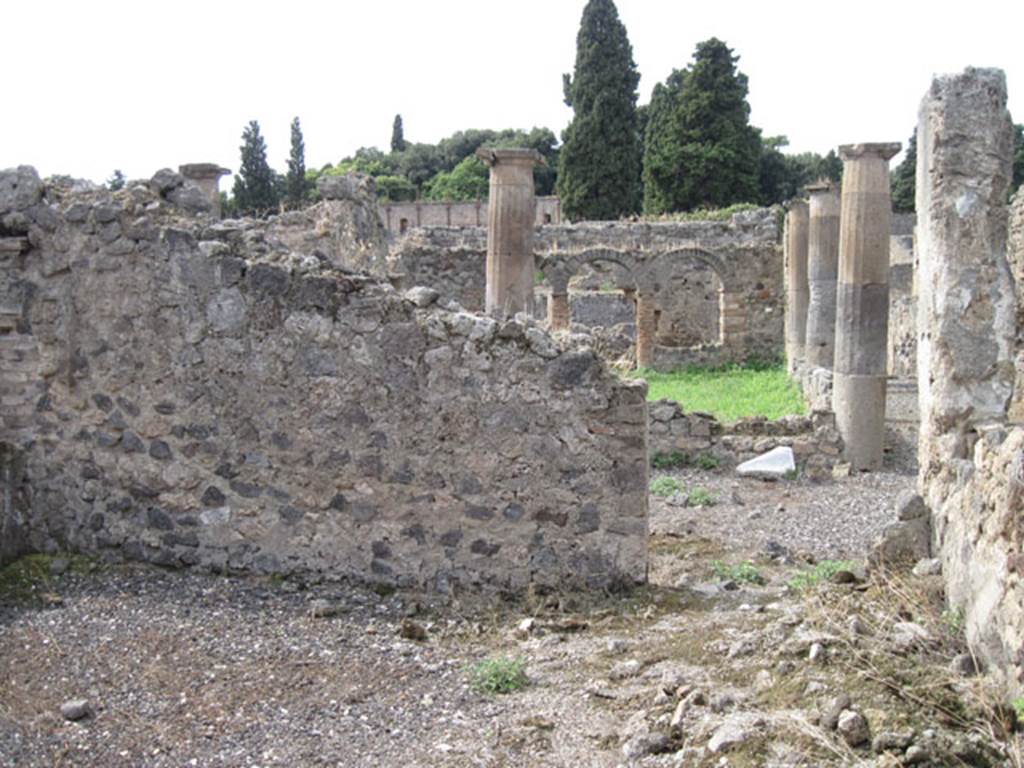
[(837, 520)]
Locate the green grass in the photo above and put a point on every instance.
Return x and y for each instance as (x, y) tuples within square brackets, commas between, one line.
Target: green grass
[(671, 460), (701, 497), (728, 393), (1018, 707), (742, 572), (499, 675), (665, 486), (823, 571)]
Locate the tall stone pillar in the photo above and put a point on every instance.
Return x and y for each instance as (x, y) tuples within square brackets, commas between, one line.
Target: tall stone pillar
[(646, 329), (796, 284), (558, 311), (511, 210), (206, 176), (862, 302), (822, 268)]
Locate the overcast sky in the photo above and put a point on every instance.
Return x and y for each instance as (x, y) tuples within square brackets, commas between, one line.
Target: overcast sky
[(94, 86)]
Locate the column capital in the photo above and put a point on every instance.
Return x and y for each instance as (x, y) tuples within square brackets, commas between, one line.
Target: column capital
[(884, 150), (202, 171), (514, 156), (821, 186)]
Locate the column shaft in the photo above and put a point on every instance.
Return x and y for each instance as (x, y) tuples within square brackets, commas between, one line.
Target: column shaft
[(822, 268), (646, 328), (796, 284), (558, 311), (862, 303)]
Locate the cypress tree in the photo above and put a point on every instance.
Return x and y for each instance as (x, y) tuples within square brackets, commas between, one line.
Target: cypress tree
[(701, 151), (295, 182), (599, 162), (903, 180), (254, 184), (397, 135)]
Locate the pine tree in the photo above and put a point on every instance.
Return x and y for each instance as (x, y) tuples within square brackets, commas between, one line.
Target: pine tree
[(397, 135), (700, 149), (116, 181), (295, 182), (903, 180), (254, 191), (599, 162)]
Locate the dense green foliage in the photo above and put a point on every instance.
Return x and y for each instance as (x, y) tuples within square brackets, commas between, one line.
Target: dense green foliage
[(1018, 158), (700, 149), (500, 675), (599, 164), (116, 181), (466, 181), (295, 181), (903, 179), (255, 190), (782, 176), (397, 135), (728, 393)]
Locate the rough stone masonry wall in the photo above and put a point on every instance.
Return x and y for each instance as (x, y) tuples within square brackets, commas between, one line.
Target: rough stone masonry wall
[(1015, 255), (747, 248), (203, 394), (971, 464)]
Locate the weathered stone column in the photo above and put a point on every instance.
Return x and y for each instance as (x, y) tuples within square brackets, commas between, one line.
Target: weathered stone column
[(206, 176), (822, 268), (862, 302), (732, 322), (971, 466), (511, 210), (558, 311), (646, 329), (796, 283)]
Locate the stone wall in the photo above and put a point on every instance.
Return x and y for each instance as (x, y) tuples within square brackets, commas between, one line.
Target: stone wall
[(13, 523), (815, 442), (401, 217), (223, 394), (971, 464), (1015, 256), (699, 272)]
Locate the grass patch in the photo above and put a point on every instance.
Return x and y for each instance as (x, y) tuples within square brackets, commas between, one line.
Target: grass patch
[(665, 486), (706, 461), (728, 393), (701, 497), (1018, 707), (672, 460), (499, 676), (30, 579), (822, 571), (744, 572)]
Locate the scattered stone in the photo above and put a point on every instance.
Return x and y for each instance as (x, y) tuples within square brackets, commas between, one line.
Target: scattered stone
[(646, 744), (841, 470), (856, 626), (931, 566), (917, 754), (763, 681), (75, 709), (625, 669), (525, 628), (853, 728), (421, 296), (774, 465), (964, 665), (903, 541), (832, 709), (58, 566), (910, 506), (892, 741), (817, 653), (412, 630), (323, 609), (679, 714), (617, 645), (731, 734), (906, 636)]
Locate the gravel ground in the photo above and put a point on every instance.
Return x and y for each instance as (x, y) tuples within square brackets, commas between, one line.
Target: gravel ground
[(189, 669), (835, 520)]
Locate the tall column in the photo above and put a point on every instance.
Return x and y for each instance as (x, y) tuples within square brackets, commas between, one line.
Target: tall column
[(732, 321), (862, 302), (646, 328), (822, 268), (511, 210), (206, 176), (796, 284), (558, 311)]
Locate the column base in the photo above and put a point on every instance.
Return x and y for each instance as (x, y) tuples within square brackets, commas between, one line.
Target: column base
[(859, 405)]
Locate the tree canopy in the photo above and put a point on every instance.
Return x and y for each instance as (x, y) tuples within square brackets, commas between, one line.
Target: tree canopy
[(295, 181), (397, 135), (599, 162), (254, 191)]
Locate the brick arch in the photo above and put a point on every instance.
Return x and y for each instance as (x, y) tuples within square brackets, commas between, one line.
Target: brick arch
[(558, 268)]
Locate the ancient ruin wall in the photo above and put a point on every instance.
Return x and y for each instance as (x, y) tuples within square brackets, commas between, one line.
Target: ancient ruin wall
[(200, 394), (1015, 255), (971, 463), (744, 259)]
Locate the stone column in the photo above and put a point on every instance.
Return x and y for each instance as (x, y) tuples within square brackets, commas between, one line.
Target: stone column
[(732, 322), (646, 328), (862, 302), (206, 176), (822, 268), (558, 311), (511, 210), (796, 284)]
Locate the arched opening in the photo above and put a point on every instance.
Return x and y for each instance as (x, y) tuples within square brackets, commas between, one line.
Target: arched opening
[(403, 225)]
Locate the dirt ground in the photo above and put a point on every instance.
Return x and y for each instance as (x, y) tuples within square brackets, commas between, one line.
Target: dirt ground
[(714, 663)]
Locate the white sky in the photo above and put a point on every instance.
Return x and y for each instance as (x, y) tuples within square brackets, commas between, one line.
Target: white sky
[(93, 86)]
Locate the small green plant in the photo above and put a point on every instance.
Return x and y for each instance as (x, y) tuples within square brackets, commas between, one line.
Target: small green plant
[(672, 460), (1018, 707), (790, 474), (607, 286), (822, 571), (743, 572), (665, 486), (706, 461), (499, 675), (701, 497), (538, 277), (953, 618)]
